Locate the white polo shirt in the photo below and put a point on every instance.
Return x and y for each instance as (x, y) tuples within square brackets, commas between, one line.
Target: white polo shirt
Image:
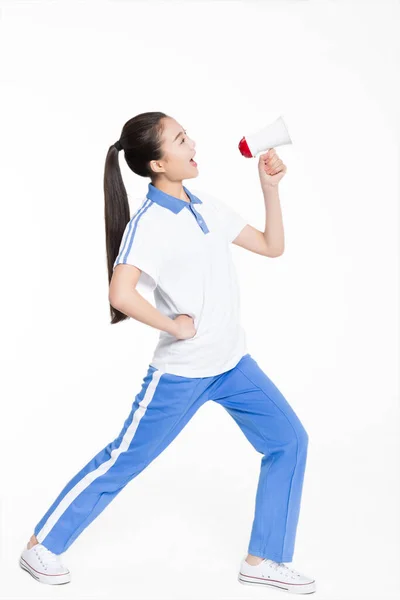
[(183, 251)]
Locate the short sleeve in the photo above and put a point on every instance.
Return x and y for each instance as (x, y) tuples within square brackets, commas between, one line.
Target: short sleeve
[(140, 247), (232, 222)]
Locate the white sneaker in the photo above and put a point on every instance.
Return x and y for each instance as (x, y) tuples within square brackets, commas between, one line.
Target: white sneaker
[(44, 565), (277, 575)]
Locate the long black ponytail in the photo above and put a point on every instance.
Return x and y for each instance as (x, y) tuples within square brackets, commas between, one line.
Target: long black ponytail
[(140, 140)]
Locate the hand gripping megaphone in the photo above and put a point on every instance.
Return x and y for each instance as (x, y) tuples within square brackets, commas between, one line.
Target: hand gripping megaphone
[(275, 134)]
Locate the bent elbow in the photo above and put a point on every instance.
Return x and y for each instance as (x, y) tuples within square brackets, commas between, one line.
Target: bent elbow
[(274, 253), (115, 301)]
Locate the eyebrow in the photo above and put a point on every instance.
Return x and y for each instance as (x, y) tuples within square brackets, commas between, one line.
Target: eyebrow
[(180, 133)]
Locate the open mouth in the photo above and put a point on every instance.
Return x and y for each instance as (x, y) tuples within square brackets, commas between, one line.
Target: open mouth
[(193, 162)]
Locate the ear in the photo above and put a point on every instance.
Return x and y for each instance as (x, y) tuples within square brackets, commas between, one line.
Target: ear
[(155, 166)]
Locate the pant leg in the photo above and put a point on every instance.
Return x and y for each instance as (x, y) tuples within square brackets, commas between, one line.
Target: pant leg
[(160, 410), (273, 428)]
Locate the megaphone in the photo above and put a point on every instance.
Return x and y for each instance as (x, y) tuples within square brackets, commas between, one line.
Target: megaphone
[(275, 134)]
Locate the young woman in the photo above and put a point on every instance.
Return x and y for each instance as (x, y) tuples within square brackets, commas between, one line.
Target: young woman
[(177, 245)]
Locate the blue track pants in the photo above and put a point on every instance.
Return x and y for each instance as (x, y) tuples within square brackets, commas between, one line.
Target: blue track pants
[(164, 405)]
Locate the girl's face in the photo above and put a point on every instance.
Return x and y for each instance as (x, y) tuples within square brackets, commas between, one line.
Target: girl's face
[(178, 149)]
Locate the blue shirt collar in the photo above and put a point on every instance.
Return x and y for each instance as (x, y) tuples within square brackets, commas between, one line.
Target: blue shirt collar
[(168, 201)]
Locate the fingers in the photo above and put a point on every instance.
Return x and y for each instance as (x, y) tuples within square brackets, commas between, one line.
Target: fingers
[(272, 163)]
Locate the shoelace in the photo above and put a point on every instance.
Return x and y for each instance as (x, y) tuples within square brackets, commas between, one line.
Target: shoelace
[(48, 555), (279, 566)]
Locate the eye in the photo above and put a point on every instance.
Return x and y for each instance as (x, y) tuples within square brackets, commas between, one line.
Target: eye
[(183, 139)]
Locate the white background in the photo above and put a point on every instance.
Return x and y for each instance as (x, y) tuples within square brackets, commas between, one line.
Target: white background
[(321, 320)]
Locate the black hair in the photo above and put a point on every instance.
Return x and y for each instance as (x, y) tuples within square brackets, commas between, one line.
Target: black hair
[(141, 143)]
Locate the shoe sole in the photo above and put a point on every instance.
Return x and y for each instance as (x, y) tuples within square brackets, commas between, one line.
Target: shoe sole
[(307, 588), (50, 579)]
